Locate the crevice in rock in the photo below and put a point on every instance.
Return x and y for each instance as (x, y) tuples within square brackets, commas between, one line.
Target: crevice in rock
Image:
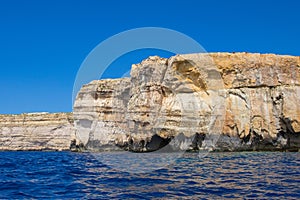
[(288, 133), (240, 95), (197, 141), (156, 142)]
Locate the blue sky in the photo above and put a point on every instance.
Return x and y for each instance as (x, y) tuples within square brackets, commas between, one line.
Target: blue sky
[(43, 43)]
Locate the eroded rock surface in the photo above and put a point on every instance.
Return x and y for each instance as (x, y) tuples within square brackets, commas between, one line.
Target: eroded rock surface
[(36, 131), (216, 101)]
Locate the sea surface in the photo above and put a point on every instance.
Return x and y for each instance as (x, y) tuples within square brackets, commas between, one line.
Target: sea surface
[(67, 175)]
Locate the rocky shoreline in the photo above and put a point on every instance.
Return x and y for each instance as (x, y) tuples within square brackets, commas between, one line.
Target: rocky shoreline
[(36, 132), (196, 102)]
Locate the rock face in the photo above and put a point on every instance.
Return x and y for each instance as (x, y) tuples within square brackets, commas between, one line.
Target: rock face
[(216, 101), (36, 131)]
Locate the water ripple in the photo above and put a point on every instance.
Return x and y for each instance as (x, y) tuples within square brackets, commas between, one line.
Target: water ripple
[(56, 175)]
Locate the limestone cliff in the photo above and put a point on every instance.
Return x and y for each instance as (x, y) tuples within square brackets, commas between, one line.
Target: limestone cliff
[(36, 131), (215, 101)]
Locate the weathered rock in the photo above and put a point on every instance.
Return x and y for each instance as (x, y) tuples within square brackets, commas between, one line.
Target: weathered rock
[(36, 131), (99, 113), (215, 101), (235, 101)]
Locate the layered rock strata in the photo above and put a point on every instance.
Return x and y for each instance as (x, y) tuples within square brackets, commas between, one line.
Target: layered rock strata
[(37, 131), (215, 101)]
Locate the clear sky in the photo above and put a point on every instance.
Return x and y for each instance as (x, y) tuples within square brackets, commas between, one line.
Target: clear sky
[(44, 42)]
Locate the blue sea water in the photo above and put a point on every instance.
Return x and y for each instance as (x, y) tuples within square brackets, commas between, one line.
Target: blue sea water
[(67, 175)]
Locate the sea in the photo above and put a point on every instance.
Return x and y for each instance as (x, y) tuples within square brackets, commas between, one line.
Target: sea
[(119, 175)]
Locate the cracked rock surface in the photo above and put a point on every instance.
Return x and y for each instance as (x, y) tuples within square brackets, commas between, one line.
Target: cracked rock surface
[(215, 101), (36, 131)]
